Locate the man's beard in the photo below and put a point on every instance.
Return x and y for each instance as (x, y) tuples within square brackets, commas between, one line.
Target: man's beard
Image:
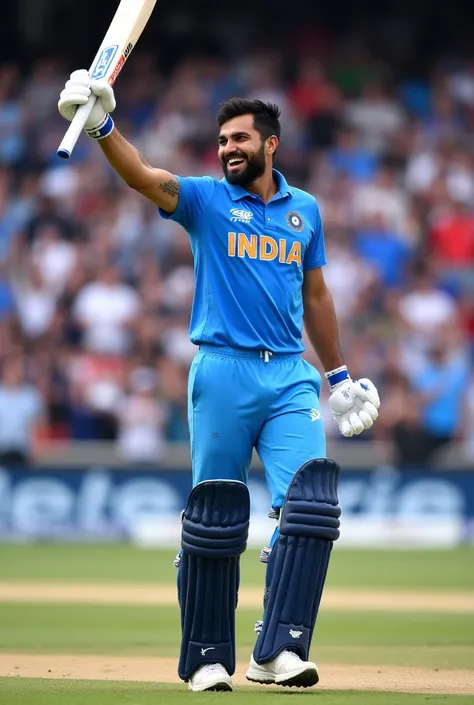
[(253, 169)]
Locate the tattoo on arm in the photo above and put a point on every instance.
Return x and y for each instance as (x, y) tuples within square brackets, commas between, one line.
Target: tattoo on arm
[(170, 187)]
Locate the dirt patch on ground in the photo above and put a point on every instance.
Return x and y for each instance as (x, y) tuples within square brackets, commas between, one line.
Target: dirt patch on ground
[(333, 676), (113, 594)]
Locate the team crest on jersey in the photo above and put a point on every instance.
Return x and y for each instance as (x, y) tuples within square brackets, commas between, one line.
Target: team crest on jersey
[(295, 221), (240, 216)]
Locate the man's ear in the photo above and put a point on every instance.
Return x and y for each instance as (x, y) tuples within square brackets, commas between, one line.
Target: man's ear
[(272, 145)]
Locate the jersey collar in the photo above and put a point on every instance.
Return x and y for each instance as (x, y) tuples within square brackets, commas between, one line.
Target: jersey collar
[(238, 192)]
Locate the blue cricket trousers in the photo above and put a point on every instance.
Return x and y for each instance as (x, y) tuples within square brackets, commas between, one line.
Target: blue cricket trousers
[(244, 399)]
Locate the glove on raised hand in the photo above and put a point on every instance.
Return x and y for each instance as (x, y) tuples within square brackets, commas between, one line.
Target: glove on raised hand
[(76, 92)]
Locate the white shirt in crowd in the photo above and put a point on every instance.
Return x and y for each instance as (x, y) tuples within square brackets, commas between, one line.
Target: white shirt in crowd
[(55, 260), (105, 311), (36, 308), (427, 312), (141, 436)]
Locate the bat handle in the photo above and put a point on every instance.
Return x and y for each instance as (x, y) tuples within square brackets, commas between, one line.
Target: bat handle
[(75, 128)]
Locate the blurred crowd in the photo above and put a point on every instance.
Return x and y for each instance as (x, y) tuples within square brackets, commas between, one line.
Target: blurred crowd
[(96, 288)]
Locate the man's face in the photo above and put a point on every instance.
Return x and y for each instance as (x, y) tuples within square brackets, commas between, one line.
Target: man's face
[(241, 151)]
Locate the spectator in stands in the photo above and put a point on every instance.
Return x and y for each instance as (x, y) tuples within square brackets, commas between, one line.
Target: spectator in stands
[(443, 385), (35, 302), (451, 240), (383, 249), (401, 420), (21, 413), (424, 312), (350, 158), (142, 418), (106, 309), (383, 196), (376, 115)]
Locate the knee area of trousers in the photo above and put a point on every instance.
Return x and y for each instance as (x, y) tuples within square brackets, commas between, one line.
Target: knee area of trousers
[(311, 507), (216, 519)]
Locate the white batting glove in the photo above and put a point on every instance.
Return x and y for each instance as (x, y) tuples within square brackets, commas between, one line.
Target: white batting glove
[(354, 403), (77, 91)]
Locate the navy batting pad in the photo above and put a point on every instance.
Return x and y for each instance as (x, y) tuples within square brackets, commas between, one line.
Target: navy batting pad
[(215, 529), (298, 563)]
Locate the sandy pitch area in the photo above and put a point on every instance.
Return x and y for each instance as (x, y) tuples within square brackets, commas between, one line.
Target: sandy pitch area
[(333, 676), (333, 599)]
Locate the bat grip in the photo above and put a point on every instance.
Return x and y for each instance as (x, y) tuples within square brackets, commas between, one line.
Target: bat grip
[(75, 128)]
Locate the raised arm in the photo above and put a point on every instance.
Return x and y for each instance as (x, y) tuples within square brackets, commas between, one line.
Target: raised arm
[(158, 185)]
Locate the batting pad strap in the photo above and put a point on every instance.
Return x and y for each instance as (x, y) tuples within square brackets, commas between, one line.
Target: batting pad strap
[(102, 130), (214, 534), (298, 563)]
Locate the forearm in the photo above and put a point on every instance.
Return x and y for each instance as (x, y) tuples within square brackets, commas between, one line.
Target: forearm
[(126, 160), (321, 327), (158, 185)]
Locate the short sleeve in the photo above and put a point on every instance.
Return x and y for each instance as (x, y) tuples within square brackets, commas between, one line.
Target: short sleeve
[(195, 194), (315, 255)]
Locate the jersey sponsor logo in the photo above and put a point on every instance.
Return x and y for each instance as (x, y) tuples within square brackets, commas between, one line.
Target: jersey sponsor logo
[(315, 415), (240, 216), (263, 247), (295, 221), (104, 61)]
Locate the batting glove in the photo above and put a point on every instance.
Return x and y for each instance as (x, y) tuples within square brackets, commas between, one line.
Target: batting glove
[(354, 403), (77, 92)]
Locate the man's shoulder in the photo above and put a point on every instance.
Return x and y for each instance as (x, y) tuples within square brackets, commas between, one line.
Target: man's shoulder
[(203, 180), (303, 196), (304, 199), (201, 187)]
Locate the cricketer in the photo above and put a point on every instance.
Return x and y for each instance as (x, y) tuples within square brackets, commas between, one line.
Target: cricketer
[(259, 253)]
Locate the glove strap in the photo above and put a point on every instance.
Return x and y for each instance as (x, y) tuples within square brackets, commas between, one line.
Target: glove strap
[(335, 377), (103, 129)]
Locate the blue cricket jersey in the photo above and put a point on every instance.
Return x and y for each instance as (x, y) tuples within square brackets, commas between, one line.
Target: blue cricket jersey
[(249, 260)]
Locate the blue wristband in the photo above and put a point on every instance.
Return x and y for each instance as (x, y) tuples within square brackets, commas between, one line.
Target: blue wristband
[(102, 130), (337, 376)]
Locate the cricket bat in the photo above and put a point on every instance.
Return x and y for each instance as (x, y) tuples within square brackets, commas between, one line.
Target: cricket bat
[(124, 31)]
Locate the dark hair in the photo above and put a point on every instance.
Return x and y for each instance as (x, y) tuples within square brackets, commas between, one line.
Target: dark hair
[(266, 115)]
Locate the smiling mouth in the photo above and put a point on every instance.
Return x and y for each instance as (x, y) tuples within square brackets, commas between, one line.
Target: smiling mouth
[(235, 162)]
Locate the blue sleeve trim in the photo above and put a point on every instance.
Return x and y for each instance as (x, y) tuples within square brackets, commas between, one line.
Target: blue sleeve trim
[(315, 265)]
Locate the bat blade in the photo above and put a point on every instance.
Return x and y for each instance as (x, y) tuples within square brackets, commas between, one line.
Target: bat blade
[(123, 33)]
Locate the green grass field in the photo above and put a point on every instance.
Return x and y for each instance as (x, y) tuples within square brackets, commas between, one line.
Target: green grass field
[(437, 643)]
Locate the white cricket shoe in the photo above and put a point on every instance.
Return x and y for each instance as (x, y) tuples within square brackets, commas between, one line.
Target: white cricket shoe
[(286, 669), (210, 676)]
